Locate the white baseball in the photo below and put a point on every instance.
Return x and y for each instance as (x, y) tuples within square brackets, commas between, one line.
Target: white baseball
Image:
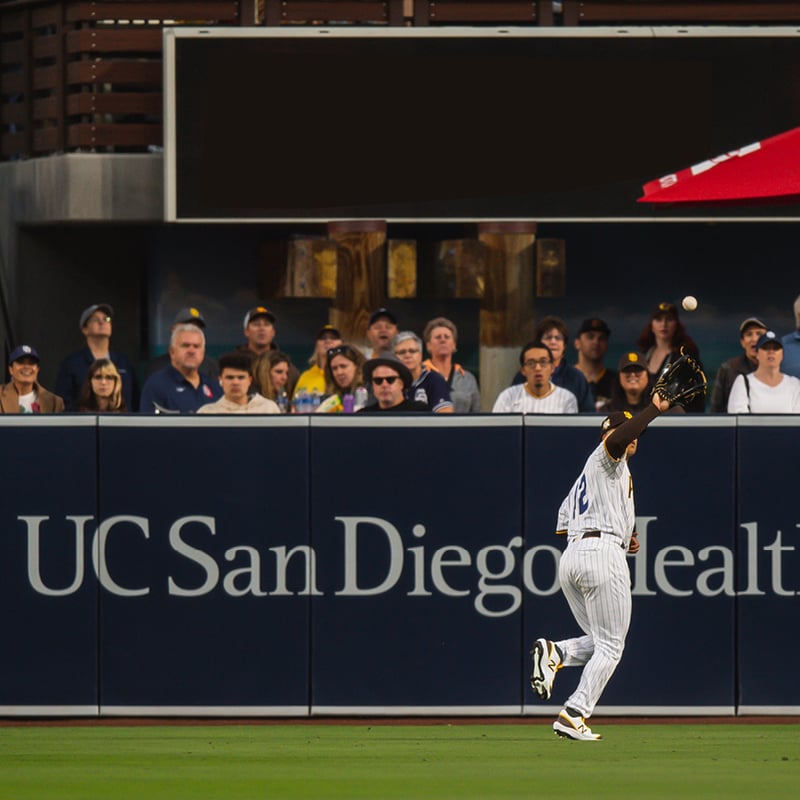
[(689, 303)]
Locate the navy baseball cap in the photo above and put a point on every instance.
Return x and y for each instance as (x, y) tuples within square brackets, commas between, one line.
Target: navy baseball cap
[(87, 312), (382, 312), (23, 351), (770, 337)]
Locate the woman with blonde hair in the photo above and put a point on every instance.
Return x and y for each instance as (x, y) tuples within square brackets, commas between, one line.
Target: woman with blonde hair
[(102, 389)]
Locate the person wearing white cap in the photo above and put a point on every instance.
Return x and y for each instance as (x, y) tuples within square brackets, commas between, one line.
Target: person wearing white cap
[(23, 394), (96, 327), (750, 332), (766, 390)]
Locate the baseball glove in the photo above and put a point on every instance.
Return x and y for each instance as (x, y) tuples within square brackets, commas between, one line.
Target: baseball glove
[(682, 381)]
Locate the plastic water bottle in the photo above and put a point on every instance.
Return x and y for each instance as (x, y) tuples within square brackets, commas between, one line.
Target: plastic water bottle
[(314, 400), (283, 401), (360, 398), (348, 403), (301, 402)]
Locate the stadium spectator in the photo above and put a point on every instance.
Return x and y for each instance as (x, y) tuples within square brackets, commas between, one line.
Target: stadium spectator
[(750, 332), (592, 346), (260, 327), (766, 390), (271, 371), (631, 391), (23, 394), (236, 380), (441, 337), (538, 395), (190, 316), (661, 341), (181, 388), (428, 386), (381, 329), (791, 346), (96, 326), (344, 375), (102, 389), (553, 332), (313, 379), (390, 381)]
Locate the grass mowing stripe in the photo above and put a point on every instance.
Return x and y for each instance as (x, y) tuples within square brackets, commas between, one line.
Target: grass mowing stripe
[(403, 761)]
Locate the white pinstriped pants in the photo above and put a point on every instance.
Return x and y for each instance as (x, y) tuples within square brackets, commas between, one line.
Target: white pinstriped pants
[(596, 582)]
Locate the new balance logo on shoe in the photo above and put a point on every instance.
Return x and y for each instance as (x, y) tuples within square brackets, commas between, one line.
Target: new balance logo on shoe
[(546, 662), (570, 726)]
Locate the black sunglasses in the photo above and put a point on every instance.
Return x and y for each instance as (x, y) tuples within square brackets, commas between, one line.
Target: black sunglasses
[(342, 350), (390, 379)]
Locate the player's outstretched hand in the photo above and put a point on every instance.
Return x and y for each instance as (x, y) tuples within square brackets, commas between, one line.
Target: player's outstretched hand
[(660, 403)]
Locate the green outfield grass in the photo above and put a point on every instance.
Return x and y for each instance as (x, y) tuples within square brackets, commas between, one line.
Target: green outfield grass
[(416, 762)]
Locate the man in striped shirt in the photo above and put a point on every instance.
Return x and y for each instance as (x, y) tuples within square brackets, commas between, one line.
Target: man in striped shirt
[(538, 395)]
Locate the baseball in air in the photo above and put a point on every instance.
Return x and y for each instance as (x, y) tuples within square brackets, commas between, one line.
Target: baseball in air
[(689, 303)]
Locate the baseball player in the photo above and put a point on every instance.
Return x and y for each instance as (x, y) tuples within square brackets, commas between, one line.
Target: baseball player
[(597, 517)]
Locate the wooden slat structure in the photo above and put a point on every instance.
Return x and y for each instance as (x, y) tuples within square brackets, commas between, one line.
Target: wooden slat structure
[(361, 274), (483, 12), (87, 76), (333, 12), (681, 12), (83, 75)]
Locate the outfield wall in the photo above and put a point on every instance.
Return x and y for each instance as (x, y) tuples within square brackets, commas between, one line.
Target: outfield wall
[(330, 565)]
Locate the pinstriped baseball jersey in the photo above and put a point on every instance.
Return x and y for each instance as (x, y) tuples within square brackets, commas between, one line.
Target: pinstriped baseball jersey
[(600, 499), (517, 399)]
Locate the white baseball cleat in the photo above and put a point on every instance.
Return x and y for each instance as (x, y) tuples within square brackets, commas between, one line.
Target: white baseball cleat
[(546, 662), (574, 727)]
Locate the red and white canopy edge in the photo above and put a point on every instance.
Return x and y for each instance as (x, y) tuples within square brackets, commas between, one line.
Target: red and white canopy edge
[(765, 171)]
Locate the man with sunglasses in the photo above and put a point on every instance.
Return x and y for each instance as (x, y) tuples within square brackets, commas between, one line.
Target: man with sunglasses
[(390, 380)]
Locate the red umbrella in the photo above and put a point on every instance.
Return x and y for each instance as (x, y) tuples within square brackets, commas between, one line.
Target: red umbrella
[(765, 171)]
